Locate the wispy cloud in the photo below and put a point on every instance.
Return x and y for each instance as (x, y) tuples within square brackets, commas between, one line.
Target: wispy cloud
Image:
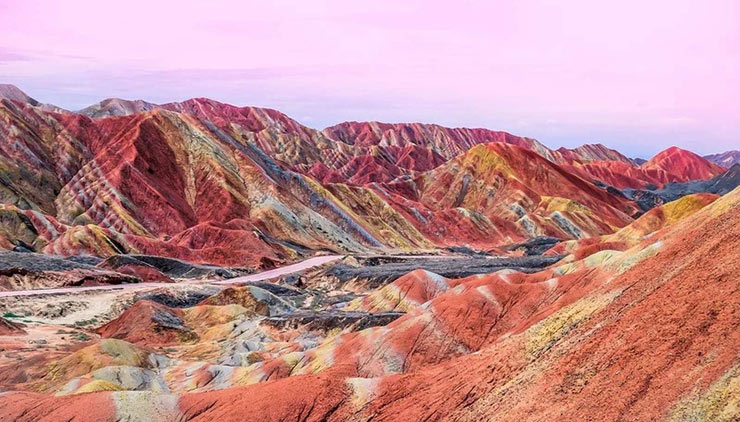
[(8, 56), (564, 72)]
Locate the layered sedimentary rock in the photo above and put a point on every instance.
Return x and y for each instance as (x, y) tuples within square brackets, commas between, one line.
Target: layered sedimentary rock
[(673, 165), (641, 332), (162, 183), (209, 182), (515, 187), (592, 152), (679, 165), (725, 159), (720, 185)]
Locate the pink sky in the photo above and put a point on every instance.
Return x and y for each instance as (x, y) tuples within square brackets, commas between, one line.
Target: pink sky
[(636, 75)]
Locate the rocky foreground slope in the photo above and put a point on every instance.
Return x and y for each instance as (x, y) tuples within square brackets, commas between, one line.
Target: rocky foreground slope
[(639, 325)]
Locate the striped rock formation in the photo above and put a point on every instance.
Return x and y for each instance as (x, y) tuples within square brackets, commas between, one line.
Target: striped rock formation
[(145, 179), (725, 159), (644, 332), (632, 317)]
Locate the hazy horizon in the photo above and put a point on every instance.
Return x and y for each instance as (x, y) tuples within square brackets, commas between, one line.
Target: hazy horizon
[(635, 77)]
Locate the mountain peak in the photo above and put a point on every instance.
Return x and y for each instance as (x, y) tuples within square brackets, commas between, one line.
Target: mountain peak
[(673, 149), (116, 107), (593, 152), (683, 165), (13, 93)]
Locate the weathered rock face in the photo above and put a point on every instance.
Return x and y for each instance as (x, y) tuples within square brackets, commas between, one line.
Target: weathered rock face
[(154, 179), (24, 270), (591, 153), (149, 323), (720, 185), (648, 332), (446, 142), (673, 165), (680, 165), (725, 159), (524, 193), (144, 178)]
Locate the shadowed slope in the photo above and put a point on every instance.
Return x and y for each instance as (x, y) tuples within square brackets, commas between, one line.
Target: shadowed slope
[(725, 159)]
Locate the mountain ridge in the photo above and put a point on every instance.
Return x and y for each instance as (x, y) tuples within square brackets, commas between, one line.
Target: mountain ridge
[(144, 181), (373, 130), (725, 159)]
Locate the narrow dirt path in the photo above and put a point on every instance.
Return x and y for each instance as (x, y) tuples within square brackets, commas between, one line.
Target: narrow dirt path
[(265, 275)]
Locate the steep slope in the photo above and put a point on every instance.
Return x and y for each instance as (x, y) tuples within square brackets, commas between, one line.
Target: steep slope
[(670, 166), (679, 165), (277, 135), (618, 174), (145, 182), (162, 172), (725, 182), (673, 165), (365, 152), (720, 185), (590, 161), (37, 156), (352, 152), (533, 195), (649, 333), (725, 159), (103, 186), (13, 93)]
